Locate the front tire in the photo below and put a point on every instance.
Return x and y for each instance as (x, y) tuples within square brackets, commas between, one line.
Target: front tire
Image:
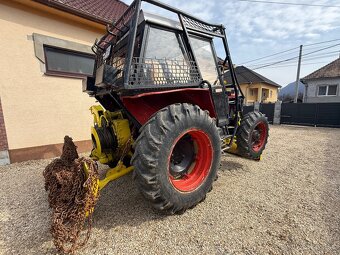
[(252, 135), (176, 157)]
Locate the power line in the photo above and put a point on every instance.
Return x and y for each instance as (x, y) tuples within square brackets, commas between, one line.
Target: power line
[(275, 54), (317, 56), (306, 54), (282, 66), (307, 45), (289, 50), (332, 46), (285, 3)]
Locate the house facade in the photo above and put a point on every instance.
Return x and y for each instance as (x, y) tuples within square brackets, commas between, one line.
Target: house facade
[(45, 53), (323, 85), (255, 87)]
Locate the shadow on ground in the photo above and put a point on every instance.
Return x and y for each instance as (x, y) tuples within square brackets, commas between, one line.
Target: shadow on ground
[(121, 203)]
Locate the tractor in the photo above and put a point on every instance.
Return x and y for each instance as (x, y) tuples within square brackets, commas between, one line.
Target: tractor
[(166, 112)]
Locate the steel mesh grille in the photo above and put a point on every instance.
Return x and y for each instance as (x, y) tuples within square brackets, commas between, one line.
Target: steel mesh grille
[(190, 23), (163, 72), (117, 30)]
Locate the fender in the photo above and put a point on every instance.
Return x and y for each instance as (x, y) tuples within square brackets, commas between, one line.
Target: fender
[(143, 106)]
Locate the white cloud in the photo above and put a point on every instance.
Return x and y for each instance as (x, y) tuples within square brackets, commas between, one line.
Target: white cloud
[(270, 21)]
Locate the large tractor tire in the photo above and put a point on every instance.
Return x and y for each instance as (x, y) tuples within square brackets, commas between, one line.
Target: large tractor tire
[(176, 157), (252, 135)]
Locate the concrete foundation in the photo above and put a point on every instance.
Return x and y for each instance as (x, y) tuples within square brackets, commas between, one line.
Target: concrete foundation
[(4, 158)]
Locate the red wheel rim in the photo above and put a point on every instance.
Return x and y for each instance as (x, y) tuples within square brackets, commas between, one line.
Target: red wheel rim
[(200, 167), (258, 136)]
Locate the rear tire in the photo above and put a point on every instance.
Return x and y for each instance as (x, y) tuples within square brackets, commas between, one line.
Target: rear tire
[(252, 135), (176, 157)]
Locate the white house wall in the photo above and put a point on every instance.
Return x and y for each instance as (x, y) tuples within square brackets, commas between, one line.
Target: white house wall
[(312, 91)]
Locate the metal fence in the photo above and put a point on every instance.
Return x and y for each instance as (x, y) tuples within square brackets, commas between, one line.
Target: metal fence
[(267, 109), (311, 114), (306, 114), (248, 108)]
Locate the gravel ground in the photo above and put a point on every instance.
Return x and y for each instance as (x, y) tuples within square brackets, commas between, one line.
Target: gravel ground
[(288, 203)]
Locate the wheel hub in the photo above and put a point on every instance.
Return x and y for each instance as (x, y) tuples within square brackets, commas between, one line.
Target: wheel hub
[(258, 136), (182, 157)]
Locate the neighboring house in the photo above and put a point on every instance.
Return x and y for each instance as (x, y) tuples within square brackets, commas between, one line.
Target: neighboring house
[(45, 52), (323, 85), (255, 87), (287, 93)]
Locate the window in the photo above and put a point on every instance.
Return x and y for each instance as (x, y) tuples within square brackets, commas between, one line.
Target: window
[(165, 61), (65, 62), (322, 91), (205, 59), (332, 90), (251, 92), (61, 57), (164, 44), (327, 90)]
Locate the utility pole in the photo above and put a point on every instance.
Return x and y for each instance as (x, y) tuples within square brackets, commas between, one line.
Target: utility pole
[(298, 76)]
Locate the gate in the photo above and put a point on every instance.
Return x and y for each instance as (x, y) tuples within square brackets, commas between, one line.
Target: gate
[(268, 110), (249, 108), (311, 114)]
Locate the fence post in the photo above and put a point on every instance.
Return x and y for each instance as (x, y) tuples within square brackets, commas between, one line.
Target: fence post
[(316, 114), (277, 113), (256, 107)]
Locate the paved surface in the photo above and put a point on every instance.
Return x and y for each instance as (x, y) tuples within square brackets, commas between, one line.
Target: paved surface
[(289, 203)]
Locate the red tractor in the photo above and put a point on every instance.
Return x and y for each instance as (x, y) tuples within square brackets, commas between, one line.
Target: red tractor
[(166, 111)]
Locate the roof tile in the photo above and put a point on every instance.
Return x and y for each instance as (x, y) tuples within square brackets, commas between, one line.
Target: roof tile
[(103, 11), (330, 70), (245, 75)]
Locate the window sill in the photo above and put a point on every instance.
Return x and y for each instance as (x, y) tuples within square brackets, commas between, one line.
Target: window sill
[(67, 75), (326, 95)]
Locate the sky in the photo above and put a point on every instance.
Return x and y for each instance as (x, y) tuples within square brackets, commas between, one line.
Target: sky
[(256, 30)]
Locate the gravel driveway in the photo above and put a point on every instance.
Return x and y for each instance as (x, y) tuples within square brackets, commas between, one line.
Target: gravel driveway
[(288, 203)]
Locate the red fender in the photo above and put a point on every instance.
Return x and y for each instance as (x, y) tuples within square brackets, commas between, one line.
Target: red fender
[(143, 106)]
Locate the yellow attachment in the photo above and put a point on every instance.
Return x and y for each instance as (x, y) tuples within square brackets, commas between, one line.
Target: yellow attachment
[(111, 174), (97, 111), (115, 173), (94, 187), (97, 153), (120, 127), (122, 131), (233, 147)]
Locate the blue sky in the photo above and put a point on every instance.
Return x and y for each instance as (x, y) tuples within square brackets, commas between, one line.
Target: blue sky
[(256, 30)]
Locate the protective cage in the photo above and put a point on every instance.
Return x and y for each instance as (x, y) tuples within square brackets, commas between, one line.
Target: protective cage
[(122, 61)]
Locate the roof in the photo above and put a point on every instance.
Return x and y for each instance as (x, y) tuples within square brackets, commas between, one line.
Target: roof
[(331, 70), (245, 75), (100, 11), (160, 20)]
